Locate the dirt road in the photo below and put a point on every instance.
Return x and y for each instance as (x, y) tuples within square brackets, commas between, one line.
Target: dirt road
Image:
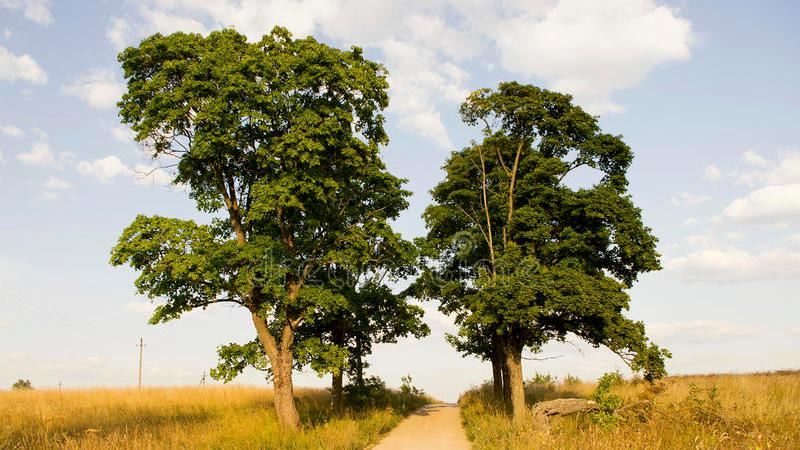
[(434, 427)]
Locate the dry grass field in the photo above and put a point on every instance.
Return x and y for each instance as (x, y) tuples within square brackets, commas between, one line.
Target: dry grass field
[(209, 417), (758, 411)]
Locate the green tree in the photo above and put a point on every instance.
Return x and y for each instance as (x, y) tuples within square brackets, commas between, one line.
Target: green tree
[(278, 141), (519, 255), (22, 385)]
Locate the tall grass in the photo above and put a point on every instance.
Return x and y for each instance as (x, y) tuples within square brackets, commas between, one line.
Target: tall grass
[(208, 417), (757, 411)]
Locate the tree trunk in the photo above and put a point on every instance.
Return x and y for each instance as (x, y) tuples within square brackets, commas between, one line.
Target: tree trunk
[(281, 359), (516, 388), (497, 378), (498, 362), (506, 381), (285, 407), (337, 392), (337, 381), (359, 365)]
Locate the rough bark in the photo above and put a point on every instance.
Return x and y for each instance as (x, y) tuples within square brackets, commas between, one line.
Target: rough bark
[(281, 359), (506, 381), (284, 392), (565, 407), (513, 355)]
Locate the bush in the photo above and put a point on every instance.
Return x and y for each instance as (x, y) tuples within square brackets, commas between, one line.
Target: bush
[(570, 380), (373, 393), (21, 385), (606, 401), (543, 378)]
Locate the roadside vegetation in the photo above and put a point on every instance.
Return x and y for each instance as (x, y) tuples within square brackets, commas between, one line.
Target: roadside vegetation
[(227, 417), (700, 411)]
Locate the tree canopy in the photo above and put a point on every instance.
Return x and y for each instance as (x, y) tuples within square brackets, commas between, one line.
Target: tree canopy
[(278, 140), (519, 254)]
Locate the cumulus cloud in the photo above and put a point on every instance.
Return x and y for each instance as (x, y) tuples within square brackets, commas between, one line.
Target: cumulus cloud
[(591, 49), (689, 199), (35, 10), (11, 130), (20, 68), (698, 331), (39, 155), (99, 88), (732, 265), (110, 167), (104, 169), (601, 47), (768, 205)]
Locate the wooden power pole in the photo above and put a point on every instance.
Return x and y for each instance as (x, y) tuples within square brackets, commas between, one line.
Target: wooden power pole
[(141, 350)]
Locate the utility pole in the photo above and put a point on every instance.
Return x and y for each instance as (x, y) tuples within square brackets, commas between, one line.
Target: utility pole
[(141, 350), (203, 380)]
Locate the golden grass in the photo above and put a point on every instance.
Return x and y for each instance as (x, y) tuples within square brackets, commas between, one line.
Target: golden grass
[(757, 411), (208, 417)]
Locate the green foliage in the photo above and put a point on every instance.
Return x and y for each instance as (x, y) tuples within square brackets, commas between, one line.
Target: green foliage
[(606, 401), (234, 358), (518, 253), (571, 380), (543, 378), (22, 385), (278, 141), (373, 393)]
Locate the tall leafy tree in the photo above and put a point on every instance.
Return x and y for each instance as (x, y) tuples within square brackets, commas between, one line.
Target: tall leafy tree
[(278, 140), (521, 256)]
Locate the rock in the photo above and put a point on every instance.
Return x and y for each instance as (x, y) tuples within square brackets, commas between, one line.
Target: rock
[(565, 407)]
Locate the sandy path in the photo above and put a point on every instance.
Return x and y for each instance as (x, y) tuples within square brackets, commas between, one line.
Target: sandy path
[(435, 427)]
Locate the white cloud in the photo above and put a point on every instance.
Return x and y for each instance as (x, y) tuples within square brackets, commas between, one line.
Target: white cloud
[(590, 48), (35, 10), (104, 169), (767, 205), (698, 331), (598, 48), (754, 159), (20, 68), (148, 175), (712, 173), (11, 130), (39, 155), (7, 33), (122, 134), (732, 265), (99, 88), (689, 199), (52, 188)]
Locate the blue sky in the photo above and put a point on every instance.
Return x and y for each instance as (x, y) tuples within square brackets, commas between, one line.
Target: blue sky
[(705, 92)]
